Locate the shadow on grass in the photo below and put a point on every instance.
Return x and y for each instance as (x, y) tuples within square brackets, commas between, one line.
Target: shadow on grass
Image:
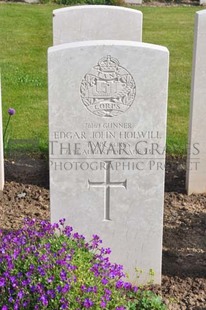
[(175, 174), (28, 170), (34, 170)]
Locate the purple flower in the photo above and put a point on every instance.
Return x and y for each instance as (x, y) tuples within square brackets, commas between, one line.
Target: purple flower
[(63, 275), (37, 265), (108, 251), (83, 288), (103, 304), (50, 279), (119, 284), (65, 304), (62, 221), (41, 271), (96, 241), (25, 303), (107, 292), (59, 288), (78, 236), (20, 294), (127, 285), (104, 281), (68, 230), (51, 293), (47, 246), (11, 111), (2, 281), (135, 289), (66, 288), (44, 300), (88, 303), (91, 289)]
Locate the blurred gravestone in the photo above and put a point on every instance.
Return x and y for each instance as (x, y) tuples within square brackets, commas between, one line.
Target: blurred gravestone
[(1, 146), (133, 1), (196, 162), (107, 123), (96, 22)]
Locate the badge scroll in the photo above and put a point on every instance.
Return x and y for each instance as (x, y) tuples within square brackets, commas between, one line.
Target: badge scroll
[(108, 90)]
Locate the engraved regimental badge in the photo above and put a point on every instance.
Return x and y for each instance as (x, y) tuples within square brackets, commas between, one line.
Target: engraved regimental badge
[(108, 89)]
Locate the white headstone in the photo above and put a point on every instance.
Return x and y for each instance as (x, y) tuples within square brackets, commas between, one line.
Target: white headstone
[(31, 1), (196, 161), (107, 121), (202, 2), (1, 146), (133, 1), (96, 22)]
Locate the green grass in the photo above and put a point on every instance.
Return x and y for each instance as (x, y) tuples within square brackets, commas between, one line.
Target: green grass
[(25, 35)]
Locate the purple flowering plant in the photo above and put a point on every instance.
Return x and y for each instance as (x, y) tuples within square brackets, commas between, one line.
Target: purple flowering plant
[(48, 266), (11, 112)]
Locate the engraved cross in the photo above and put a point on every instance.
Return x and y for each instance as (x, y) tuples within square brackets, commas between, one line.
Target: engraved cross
[(107, 184)]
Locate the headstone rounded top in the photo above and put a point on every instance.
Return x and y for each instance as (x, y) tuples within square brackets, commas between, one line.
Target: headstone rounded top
[(94, 7), (96, 22), (201, 12), (108, 43)]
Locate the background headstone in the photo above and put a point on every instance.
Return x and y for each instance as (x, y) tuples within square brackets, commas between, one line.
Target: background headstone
[(196, 161), (202, 2), (1, 146), (32, 1), (107, 121), (96, 22), (133, 1)]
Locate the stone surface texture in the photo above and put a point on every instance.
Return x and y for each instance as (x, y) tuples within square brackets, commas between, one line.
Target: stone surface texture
[(196, 172), (1, 146), (96, 22), (107, 122)]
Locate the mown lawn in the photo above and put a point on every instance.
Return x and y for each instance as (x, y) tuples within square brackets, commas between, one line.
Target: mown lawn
[(25, 35)]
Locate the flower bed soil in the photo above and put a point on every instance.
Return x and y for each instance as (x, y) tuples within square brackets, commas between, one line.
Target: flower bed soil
[(26, 194)]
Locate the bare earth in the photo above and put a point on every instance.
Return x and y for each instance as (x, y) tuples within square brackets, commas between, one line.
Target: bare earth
[(183, 287)]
